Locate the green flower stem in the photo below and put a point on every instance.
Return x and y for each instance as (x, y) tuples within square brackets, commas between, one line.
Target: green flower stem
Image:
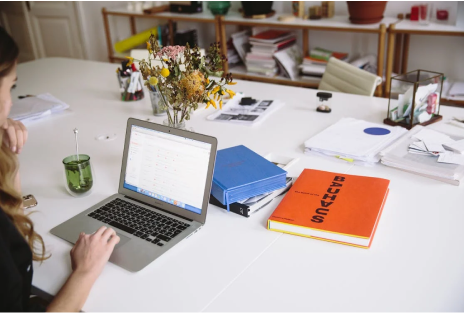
[(165, 103)]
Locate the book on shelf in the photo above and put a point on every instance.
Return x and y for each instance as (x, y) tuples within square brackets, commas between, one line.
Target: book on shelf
[(288, 61), (182, 37), (274, 46), (232, 55), (334, 207), (271, 36), (312, 69), (241, 43), (241, 173), (252, 205), (324, 54)]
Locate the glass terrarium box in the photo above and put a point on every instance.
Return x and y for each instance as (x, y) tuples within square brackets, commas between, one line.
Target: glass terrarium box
[(415, 99)]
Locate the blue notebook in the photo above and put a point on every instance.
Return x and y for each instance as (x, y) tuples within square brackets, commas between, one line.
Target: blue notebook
[(240, 173)]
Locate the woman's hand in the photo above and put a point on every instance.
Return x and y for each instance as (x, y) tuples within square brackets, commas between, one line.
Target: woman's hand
[(16, 135), (91, 252)]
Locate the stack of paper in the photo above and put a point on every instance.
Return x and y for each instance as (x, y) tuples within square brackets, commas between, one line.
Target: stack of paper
[(354, 140), (446, 166), (33, 108)]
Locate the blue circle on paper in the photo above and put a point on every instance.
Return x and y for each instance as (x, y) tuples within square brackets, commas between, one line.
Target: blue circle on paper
[(377, 131)]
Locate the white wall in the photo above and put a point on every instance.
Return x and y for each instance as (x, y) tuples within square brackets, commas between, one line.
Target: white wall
[(437, 53)]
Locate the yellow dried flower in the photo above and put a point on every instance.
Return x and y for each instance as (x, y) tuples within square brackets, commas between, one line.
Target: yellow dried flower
[(148, 46), (213, 103), (165, 72), (232, 83), (194, 85), (220, 104), (131, 60), (153, 81)]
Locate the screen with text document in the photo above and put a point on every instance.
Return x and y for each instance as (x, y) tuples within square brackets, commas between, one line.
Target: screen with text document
[(167, 167)]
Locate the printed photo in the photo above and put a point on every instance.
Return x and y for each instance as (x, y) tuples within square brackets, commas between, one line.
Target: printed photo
[(265, 103), (243, 117), (225, 117)]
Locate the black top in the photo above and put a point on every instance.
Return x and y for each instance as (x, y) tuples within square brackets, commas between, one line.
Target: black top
[(15, 268)]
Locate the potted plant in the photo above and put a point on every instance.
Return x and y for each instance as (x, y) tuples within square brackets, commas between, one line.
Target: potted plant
[(366, 12)]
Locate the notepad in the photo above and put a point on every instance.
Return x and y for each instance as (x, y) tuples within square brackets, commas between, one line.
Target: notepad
[(33, 108)]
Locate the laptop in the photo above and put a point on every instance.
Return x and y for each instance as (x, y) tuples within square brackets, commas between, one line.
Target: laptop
[(163, 194)]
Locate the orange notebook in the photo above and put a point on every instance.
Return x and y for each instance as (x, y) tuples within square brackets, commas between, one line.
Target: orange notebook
[(333, 207)]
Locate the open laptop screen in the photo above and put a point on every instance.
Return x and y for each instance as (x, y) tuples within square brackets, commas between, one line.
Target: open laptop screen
[(167, 167)]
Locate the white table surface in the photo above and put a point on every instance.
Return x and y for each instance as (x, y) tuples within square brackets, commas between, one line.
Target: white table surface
[(416, 261)]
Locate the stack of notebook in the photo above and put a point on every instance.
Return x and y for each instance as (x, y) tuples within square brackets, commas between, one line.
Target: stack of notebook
[(354, 140), (241, 174)]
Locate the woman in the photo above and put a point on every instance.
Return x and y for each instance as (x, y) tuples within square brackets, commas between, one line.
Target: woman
[(19, 243)]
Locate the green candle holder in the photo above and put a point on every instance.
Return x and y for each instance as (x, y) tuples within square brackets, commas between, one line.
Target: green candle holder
[(78, 174)]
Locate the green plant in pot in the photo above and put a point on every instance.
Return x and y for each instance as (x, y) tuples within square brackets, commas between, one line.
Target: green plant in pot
[(366, 12)]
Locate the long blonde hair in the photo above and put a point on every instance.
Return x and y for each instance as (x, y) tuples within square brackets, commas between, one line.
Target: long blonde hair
[(10, 200)]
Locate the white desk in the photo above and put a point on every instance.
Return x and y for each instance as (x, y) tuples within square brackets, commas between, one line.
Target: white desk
[(234, 263)]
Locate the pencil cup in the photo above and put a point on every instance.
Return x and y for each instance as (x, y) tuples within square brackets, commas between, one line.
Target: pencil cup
[(131, 86), (157, 103), (78, 175)]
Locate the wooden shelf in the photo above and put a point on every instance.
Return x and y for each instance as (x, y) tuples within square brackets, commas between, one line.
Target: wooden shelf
[(336, 23), (399, 38), (240, 72), (202, 17)]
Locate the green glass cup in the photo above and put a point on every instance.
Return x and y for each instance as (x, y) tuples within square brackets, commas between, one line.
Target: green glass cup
[(78, 174)]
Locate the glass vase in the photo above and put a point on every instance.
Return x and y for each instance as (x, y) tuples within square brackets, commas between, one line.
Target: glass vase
[(157, 103), (175, 118)]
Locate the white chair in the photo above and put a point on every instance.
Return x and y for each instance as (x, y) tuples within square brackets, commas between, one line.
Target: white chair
[(344, 77)]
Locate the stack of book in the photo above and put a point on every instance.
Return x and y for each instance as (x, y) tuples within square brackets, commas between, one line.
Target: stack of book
[(314, 65), (240, 174), (263, 46)]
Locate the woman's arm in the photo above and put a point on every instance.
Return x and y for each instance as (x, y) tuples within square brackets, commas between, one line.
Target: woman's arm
[(88, 257)]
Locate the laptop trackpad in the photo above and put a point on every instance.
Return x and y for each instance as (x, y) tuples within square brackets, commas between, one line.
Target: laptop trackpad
[(123, 240)]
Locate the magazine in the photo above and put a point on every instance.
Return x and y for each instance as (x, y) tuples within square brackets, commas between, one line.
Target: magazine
[(253, 114)]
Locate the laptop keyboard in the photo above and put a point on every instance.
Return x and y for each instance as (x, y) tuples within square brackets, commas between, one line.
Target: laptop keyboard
[(138, 221)]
